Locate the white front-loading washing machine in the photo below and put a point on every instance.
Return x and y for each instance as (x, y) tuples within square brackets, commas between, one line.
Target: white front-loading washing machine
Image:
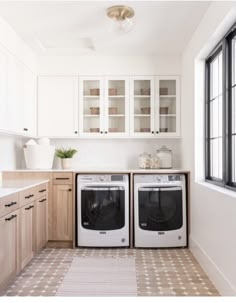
[(103, 210), (160, 216)]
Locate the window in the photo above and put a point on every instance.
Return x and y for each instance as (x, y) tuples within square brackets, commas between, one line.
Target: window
[(221, 113)]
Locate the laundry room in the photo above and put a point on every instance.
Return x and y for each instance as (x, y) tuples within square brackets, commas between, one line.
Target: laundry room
[(117, 139)]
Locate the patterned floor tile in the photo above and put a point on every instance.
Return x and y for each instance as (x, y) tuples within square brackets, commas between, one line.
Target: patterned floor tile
[(159, 272)]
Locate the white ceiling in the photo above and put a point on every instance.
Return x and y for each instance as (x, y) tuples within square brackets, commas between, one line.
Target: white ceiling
[(81, 27)]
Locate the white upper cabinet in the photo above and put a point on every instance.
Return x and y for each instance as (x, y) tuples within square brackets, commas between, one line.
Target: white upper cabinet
[(168, 109), (21, 98), (104, 106), (58, 106), (142, 107), (15, 95), (3, 90), (29, 103)]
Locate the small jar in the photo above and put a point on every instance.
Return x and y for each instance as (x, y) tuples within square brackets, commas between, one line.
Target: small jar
[(144, 160), (165, 156), (155, 161)]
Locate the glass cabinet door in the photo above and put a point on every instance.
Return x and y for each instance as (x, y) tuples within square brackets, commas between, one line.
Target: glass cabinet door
[(168, 112), (91, 110), (116, 106), (142, 107)]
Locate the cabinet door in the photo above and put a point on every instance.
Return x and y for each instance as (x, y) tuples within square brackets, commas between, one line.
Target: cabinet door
[(29, 103), (26, 234), (62, 212), (142, 107), (15, 95), (168, 106), (91, 106), (58, 106), (3, 90), (41, 222), (9, 248), (116, 107)]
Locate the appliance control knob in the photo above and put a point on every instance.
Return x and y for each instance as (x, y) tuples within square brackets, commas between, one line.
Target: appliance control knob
[(101, 178)]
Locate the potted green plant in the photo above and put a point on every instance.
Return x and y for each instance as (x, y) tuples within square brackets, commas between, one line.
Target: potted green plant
[(65, 155)]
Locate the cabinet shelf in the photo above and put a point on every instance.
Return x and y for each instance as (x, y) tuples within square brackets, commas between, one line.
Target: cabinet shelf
[(167, 96), (91, 97), (116, 97), (119, 115), (140, 115), (168, 115), (142, 96), (90, 116)]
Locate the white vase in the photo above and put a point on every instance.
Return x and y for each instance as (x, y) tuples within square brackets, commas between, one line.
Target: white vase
[(66, 163)]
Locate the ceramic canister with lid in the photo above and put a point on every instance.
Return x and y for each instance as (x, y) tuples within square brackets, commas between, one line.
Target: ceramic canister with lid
[(165, 156)]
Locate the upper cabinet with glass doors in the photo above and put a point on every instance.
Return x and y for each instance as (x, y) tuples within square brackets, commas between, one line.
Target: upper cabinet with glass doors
[(104, 107), (168, 91), (155, 106), (142, 106)]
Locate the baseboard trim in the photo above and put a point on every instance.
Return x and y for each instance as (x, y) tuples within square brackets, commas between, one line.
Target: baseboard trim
[(222, 284), (60, 244)]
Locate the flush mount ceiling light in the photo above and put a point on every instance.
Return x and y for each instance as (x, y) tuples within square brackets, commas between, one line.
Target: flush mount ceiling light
[(121, 17)]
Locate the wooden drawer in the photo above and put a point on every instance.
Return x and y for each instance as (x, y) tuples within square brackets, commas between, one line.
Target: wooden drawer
[(9, 204), (61, 178), (27, 196), (41, 190)]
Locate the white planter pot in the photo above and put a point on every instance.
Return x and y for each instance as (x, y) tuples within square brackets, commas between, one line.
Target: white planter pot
[(66, 163)]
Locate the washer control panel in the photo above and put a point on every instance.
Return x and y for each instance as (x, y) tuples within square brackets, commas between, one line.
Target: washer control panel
[(162, 178)]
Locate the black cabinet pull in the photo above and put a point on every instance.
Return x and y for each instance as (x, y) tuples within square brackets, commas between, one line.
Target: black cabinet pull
[(157, 132), (62, 178), (27, 197), (42, 190), (27, 208), (10, 204), (76, 132), (101, 132), (69, 189), (32, 206), (105, 132), (25, 129), (42, 200), (11, 217), (152, 132)]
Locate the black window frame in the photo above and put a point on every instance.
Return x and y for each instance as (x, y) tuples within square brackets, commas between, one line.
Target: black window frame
[(224, 45)]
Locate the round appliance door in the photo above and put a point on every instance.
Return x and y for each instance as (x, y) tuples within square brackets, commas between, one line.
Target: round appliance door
[(103, 208), (160, 208)]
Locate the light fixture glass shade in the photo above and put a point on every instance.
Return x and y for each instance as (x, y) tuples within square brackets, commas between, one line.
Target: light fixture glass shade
[(121, 18), (122, 26)]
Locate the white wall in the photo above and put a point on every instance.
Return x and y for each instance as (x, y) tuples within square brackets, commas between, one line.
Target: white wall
[(212, 211), (113, 153), (109, 65), (10, 152)]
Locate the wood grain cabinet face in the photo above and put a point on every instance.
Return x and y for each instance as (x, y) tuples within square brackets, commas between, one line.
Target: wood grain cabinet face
[(41, 223), (9, 248), (27, 218), (62, 212)]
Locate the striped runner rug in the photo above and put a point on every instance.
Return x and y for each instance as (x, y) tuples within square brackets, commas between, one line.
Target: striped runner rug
[(99, 277)]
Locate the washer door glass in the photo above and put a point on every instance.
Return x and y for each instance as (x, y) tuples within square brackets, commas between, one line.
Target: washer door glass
[(160, 209), (102, 208)]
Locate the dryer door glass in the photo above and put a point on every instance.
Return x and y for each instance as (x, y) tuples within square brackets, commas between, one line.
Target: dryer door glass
[(103, 208), (160, 209)]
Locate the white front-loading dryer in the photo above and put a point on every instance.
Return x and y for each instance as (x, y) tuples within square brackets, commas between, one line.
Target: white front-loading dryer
[(160, 217), (103, 210)]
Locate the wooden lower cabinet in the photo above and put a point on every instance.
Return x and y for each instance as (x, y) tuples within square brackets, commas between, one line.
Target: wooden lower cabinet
[(62, 213), (9, 247), (27, 219), (41, 223)]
